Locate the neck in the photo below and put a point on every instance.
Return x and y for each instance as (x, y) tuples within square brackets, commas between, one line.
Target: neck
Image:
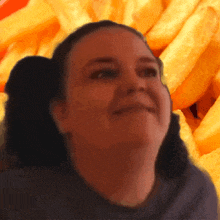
[(122, 176)]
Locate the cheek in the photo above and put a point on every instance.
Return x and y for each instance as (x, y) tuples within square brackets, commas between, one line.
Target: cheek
[(163, 101), (88, 112), (100, 93), (92, 98)]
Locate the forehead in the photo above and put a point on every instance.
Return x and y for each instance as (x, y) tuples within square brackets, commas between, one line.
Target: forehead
[(116, 42)]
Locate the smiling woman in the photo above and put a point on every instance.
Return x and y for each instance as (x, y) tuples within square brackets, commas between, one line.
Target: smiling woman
[(75, 157)]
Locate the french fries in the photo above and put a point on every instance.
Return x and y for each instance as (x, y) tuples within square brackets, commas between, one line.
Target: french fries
[(190, 119), (145, 15), (102, 9), (181, 55), (207, 134), (72, 14), (212, 3), (170, 23), (37, 15), (166, 3), (44, 38), (130, 7), (216, 85), (211, 163), (46, 50), (205, 69), (199, 79), (118, 8), (3, 99), (187, 137), (205, 103), (184, 34), (17, 51)]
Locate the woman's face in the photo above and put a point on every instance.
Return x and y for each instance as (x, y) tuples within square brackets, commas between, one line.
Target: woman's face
[(96, 88)]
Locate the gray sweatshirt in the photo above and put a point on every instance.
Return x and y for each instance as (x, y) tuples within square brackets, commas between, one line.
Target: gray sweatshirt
[(43, 193)]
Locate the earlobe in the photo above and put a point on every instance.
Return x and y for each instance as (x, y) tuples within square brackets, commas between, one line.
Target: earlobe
[(58, 112)]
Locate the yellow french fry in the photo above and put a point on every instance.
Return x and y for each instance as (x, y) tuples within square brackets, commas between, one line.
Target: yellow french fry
[(102, 9), (47, 49), (130, 7), (207, 134), (34, 17), (145, 15), (212, 3), (187, 137), (190, 119), (166, 3), (84, 4), (3, 99), (45, 37), (181, 55), (216, 85), (123, 11), (205, 103), (70, 14), (16, 52), (203, 72), (199, 79), (170, 23), (216, 5), (118, 8)]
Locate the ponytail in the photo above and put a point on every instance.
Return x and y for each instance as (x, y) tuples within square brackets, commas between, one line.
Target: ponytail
[(31, 135)]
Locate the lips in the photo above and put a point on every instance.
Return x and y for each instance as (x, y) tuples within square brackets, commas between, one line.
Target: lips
[(134, 108), (130, 110)]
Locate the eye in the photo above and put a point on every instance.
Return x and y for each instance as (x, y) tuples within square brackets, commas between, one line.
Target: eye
[(150, 72), (107, 73)]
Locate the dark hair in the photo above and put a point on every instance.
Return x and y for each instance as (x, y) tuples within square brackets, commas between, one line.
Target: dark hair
[(31, 135)]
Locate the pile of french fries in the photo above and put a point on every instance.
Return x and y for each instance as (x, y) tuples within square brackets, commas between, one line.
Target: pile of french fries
[(184, 34)]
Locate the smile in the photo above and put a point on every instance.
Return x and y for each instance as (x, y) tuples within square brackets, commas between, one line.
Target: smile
[(132, 110)]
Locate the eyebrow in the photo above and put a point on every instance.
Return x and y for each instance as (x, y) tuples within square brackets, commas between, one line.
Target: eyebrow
[(142, 59)]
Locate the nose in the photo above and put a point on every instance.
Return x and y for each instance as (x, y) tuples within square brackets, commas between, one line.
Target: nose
[(131, 81)]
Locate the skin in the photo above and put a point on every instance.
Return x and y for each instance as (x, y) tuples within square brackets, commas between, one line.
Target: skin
[(114, 154)]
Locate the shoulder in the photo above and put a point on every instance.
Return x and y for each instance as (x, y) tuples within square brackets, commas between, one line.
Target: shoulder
[(201, 181), (195, 197), (29, 189), (28, 177), (11, 178), (23, 181), (37, 181), (204, 199)]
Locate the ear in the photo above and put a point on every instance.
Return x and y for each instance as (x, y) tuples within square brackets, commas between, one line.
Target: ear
[(58, 111)]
